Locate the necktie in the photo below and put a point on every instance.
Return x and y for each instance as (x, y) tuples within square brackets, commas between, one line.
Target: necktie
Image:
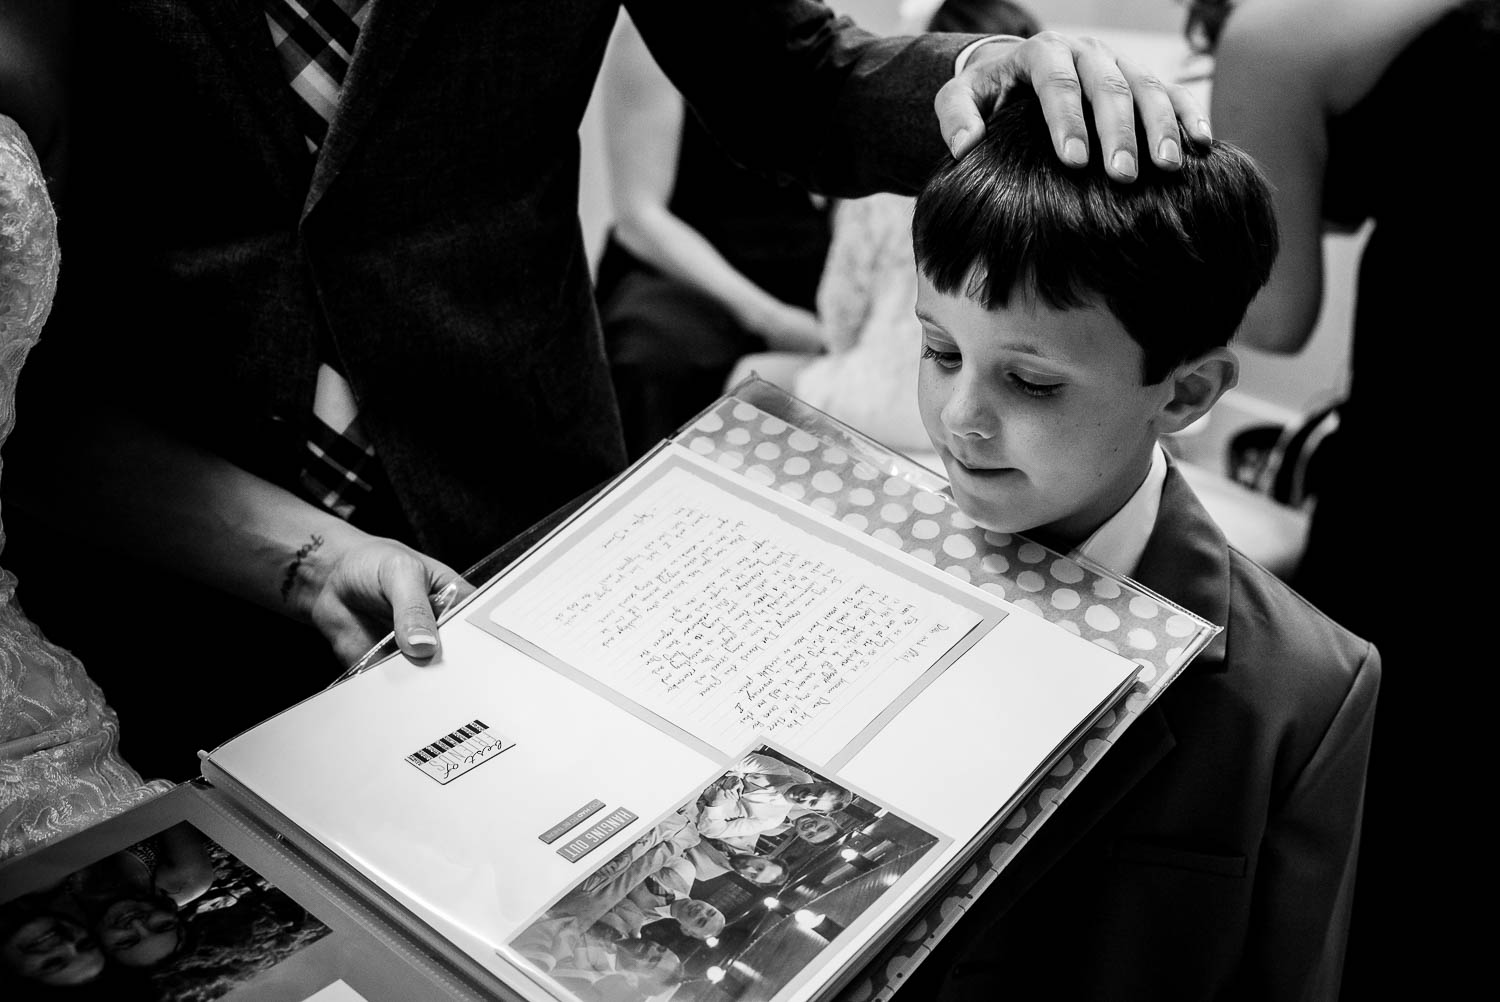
[(315, 40)]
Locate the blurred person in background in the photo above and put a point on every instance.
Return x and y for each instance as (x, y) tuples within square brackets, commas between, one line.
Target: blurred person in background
[(863, 368), (1322, 94), (705, 261)]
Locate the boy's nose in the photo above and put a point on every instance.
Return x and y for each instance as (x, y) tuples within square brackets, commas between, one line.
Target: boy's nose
[(968, 414)]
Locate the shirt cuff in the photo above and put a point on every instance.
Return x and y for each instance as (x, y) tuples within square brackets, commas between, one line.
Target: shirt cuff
[(968, 50)]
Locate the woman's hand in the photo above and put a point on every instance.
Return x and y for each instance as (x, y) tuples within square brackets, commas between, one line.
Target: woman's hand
[(363, 587)]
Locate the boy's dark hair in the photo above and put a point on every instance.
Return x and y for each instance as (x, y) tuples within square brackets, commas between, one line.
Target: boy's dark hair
[(1176, 257)]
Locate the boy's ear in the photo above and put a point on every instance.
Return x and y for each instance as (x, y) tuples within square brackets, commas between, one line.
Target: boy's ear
[(1196, 386)]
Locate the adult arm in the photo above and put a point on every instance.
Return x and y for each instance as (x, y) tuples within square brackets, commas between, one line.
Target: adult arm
[(128, 484), (1305, 877), (643, 123), (757, 764), (736, 821), (1267, 97), (1281, 69), (791, 88)]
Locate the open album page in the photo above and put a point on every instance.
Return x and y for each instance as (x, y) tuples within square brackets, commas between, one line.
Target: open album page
[(701, 743)]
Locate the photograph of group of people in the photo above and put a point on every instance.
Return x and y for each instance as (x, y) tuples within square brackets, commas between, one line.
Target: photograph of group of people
[(729, 897), (174, 916)]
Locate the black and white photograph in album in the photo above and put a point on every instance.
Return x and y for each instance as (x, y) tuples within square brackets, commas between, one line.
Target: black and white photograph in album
[(174, 916), (731, 896)]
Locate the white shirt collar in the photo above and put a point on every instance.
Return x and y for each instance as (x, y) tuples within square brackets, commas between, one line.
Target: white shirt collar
[(1120, 542)]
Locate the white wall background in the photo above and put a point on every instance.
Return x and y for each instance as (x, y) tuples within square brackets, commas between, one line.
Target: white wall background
[(1275, 389)]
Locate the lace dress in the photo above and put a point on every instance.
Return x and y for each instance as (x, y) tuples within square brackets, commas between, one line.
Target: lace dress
[(60, 768), (868, 378)]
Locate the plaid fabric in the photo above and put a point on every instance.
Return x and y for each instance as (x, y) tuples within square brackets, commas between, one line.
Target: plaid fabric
[(315, 40), (337, 470)]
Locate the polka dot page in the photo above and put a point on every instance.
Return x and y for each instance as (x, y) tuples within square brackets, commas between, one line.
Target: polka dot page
[(869, 491)]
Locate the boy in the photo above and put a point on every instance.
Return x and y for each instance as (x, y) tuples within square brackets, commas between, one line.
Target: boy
[(1067, 323)]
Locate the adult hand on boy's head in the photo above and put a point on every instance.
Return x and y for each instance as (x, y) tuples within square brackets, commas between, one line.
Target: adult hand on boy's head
[(1063, 71), (376, 585)]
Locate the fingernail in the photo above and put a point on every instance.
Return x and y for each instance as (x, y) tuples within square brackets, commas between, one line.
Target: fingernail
[(959, 138), (1170, 151), (1075, 152), (1123, 163), (421, 639), (1202, 129)]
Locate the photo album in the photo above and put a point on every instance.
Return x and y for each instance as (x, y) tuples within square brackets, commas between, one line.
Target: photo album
[(753, 724)]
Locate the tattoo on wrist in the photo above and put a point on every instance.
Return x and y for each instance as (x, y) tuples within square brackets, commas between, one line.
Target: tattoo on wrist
[(303, 552)]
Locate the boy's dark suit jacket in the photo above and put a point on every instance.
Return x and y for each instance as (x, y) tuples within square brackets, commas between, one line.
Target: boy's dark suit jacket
[(434, 247), (1210, 854)]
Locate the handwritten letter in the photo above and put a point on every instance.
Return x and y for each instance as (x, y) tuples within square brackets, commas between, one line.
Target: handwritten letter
[(731, 621)]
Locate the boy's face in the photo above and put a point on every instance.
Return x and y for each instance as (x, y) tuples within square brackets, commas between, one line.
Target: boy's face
[(1038, 414)]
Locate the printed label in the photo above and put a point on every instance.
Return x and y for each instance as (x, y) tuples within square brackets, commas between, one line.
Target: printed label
[(575, 849), (571, 821), (456, 753)]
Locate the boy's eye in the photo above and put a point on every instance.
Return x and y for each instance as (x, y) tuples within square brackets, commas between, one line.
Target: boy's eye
[(1032, 389), (947, 359)]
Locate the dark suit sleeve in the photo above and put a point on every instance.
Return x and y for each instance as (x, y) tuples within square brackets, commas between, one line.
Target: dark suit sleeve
[(790, 89), (1306, 874)]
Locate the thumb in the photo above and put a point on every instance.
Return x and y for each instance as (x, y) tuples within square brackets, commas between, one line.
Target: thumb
[(404, 581), (963, 102)]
